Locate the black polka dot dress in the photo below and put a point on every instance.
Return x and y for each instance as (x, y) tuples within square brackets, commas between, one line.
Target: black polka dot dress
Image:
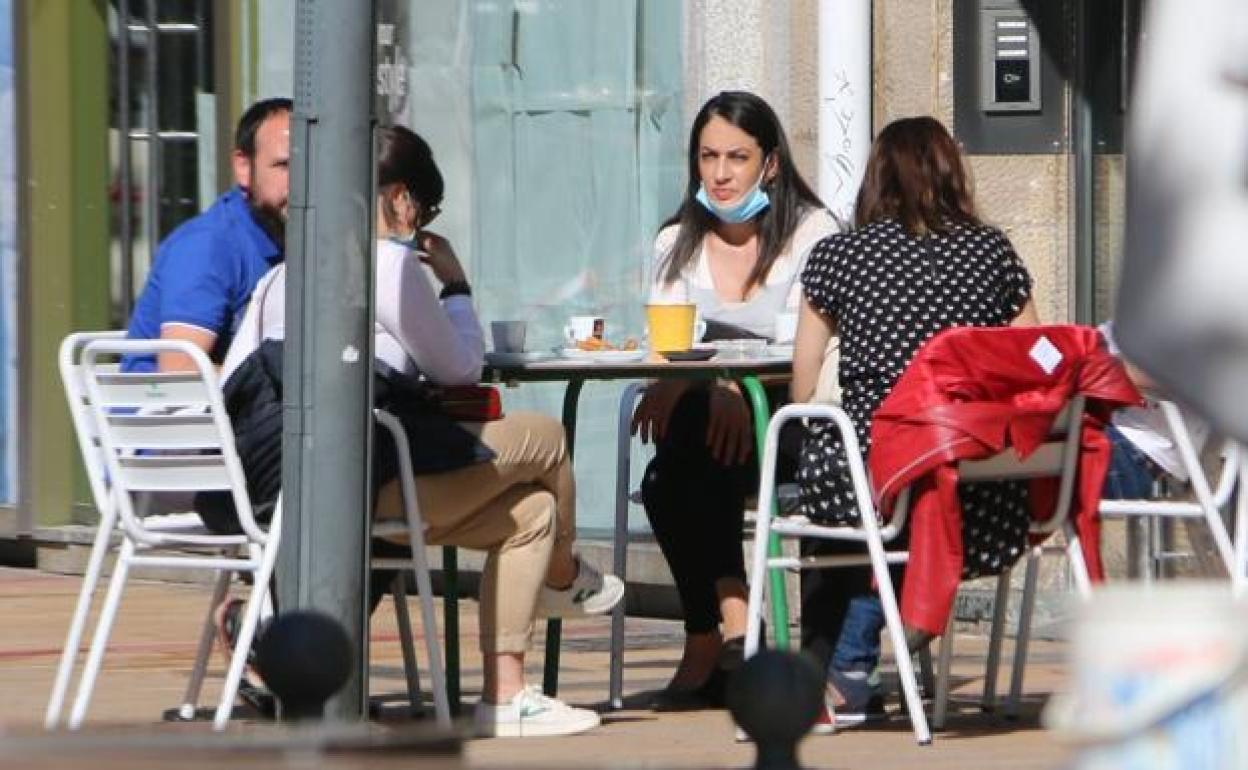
[(888, 293)]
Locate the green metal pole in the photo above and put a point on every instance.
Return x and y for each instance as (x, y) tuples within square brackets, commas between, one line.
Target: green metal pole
[(779, 599)]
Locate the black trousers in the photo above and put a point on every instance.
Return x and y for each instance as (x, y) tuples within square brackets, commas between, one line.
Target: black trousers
[(696, 508)]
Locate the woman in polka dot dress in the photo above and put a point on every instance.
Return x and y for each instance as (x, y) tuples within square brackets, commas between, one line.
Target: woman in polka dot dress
[(918, 261)]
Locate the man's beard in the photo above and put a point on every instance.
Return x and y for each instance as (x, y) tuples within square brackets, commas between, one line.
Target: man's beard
[(271, 221)]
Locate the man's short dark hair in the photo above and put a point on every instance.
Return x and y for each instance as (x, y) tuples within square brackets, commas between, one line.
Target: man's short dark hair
[(256, 114)]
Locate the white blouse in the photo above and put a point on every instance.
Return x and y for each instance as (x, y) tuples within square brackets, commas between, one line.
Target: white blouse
[(414, 331), (781, 291)]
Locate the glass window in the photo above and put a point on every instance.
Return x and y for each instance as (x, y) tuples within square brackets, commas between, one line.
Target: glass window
[(8, 259), (561, 160), (558, 127)]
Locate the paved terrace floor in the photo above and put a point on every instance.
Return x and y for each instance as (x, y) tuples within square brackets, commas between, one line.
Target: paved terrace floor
[(153, 643)]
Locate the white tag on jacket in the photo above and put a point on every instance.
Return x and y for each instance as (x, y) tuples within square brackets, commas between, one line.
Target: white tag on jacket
[(1046, 355)]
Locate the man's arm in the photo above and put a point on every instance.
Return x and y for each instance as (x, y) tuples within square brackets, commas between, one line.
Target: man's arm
[(180, 362)]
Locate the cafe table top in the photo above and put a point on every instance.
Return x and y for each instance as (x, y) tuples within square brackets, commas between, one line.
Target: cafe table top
[(652, 366)]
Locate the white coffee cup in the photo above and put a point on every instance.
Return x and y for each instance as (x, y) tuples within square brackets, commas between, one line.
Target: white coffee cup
[(583, 327), (508, 336), (786, 328)]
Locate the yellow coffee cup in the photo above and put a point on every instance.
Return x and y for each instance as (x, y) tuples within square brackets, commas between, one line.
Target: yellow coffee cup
[(671, 326)]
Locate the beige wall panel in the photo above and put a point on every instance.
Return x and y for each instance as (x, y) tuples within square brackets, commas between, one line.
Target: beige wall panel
[(802, 123), (1020, 189), (944, 62), (1026, 195), (1109, 200), (726, 50), (1036, 245), (905, 43)]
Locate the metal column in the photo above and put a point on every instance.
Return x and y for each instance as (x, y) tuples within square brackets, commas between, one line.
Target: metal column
[(329, 342)]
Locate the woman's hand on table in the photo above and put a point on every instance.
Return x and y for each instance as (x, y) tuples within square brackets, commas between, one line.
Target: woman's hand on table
[(436, 252), (730, 431), (655, 410)]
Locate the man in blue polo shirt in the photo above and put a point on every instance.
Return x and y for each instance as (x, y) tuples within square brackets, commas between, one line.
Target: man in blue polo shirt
[(205, 270)]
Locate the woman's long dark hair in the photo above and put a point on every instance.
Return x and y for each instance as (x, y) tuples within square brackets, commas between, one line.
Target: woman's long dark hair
[(403, 157), (790, 195), (916, 175)]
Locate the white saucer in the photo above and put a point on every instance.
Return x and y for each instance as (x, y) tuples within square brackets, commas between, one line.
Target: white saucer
[(603, 356), (507, 358)]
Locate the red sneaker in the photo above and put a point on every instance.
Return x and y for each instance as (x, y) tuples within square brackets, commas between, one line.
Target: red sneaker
[(825, 724)]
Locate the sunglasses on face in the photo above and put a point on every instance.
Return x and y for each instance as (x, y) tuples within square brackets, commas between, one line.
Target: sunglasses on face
[(427, 215)]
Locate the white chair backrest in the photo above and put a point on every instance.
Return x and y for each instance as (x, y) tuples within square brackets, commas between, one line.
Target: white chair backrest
[(1055, 458), (162, 432), (70, 363)]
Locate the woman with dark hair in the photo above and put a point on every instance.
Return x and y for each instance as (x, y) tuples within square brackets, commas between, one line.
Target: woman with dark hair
[(503, 486), (734, 248), (919, 260)]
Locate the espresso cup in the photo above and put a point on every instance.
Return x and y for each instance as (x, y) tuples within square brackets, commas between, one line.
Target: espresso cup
[(674, 327), (508, 336), (584, 327)]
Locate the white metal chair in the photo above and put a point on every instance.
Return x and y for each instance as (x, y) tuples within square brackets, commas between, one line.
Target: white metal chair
[(142, 433), (1055, 458), (1209, 501), (413, 529), (619, 558), (1208, 505)]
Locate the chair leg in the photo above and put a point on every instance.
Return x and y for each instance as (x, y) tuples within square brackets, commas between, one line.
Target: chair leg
[(445, 676), (443, 699), (251, 619), (202, 653), (897, 636), (411, 671), (927, 672), (1023, 637), (1078, 567), (99, 641), (619, 549), (1239, 572), (78, 623), (941, 707), (995, 637)]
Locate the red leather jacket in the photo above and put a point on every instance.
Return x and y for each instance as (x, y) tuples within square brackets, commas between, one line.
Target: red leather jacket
[(967, 394)]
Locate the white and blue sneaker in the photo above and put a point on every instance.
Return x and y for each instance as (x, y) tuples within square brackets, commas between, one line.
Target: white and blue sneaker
[(591, 593), (530, 714)]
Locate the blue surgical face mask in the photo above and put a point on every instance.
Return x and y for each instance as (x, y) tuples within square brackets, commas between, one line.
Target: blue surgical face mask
[(750, 205)]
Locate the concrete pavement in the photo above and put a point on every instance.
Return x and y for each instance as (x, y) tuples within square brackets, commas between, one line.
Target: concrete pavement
[(153, 644)]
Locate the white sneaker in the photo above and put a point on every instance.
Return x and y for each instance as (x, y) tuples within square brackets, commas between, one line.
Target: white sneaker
[(530, 714), (591, 593)]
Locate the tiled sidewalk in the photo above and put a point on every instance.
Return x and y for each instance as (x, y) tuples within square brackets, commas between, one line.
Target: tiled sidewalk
[(154, 640)]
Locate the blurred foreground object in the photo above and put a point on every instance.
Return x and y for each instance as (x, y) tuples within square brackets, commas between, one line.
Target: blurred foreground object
[(1182, 305), (775, 697), (304, 658), (1160, 680)]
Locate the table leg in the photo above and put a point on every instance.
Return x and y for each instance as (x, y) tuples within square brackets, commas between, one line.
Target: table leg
[(554, 626), (450, 623), (779, 600)]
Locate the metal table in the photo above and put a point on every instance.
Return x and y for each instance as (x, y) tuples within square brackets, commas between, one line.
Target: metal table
[(747, 371)]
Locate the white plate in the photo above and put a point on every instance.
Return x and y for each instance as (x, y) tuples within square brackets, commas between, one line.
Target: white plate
[(603, 356), (506, 358), (779, 351)]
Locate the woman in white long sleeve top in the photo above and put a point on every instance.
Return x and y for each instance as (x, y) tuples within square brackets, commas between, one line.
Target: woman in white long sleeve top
[(517, 506)]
